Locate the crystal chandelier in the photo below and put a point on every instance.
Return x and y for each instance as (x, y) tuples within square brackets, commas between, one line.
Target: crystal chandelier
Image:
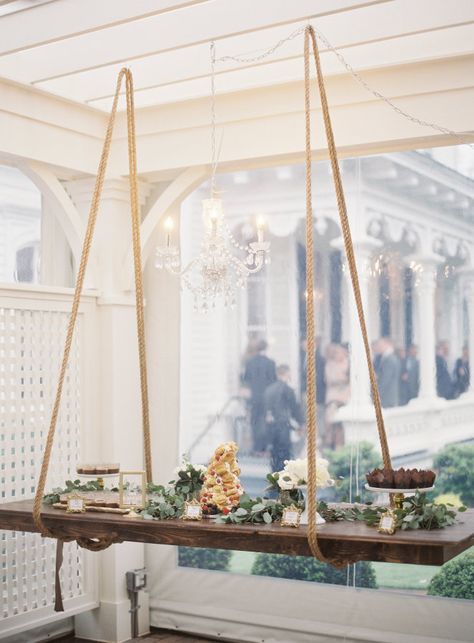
[(215, 272)]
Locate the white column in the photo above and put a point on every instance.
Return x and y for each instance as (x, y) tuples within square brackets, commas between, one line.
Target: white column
[(112, 236), (424, 289), (455, 317), (120, 410), (364, 250)]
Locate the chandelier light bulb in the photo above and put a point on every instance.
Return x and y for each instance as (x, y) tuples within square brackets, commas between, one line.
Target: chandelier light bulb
[(168, 225), (212, 214), (260, 227)]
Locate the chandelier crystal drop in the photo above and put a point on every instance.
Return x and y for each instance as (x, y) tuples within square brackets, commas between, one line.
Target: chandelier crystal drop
[(216, 272)]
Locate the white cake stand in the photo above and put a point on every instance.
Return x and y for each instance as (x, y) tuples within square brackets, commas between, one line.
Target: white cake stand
[(98, 476), (398, 494)]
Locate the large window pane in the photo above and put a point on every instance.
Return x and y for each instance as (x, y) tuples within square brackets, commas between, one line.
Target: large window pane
[(412, 218), (20, 227)]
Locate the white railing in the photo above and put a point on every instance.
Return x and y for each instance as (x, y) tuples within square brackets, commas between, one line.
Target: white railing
[(32, 329), (420, 427)]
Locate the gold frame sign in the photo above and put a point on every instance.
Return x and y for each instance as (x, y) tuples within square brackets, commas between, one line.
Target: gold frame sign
[(139, 498)]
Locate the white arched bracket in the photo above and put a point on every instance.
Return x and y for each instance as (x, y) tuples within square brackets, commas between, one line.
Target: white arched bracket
[(178, 190), (63, 208)]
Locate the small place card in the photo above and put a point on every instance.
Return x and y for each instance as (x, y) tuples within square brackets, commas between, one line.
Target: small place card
[(192, 510), (291, 517), (76, 504), (388, 523)]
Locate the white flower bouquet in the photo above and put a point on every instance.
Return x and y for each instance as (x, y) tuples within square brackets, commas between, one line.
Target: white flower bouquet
[(294, 478), (295, 474)]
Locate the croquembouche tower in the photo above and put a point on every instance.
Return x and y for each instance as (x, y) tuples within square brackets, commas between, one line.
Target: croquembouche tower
[(222, 489)]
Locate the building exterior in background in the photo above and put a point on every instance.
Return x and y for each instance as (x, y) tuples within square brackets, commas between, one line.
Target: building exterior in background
[(412, 219), (20, 227)]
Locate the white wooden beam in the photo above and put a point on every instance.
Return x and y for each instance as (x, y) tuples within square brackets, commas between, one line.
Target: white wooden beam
[(269, 123), (58, 21), (449, 42), (262, 125), (390, 33), (50, 130), (126, 42)]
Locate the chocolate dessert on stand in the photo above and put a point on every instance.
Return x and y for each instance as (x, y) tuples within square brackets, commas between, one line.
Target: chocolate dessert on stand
[(98, 470), (401, 478), (103, 469), (399, 482)]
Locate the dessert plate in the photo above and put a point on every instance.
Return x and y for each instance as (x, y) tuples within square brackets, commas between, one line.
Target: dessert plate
[(387, 490), (98, 475)]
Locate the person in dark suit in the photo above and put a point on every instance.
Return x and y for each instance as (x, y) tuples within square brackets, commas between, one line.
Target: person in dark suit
[(444, 383), (376, 356), (409, 374), (462, 373), (281, 412), (259, 374), (388, 373)]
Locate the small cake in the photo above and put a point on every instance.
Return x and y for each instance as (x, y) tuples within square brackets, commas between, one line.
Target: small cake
[(86, 469), (99, 469)]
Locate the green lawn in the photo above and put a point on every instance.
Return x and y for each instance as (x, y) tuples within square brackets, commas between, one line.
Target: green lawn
[(389, 575), (395, 576), (241, 562)]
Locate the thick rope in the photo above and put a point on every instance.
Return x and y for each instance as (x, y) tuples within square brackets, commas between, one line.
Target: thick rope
[(310, 325), (137, 260), (91, 544), (84, 542)]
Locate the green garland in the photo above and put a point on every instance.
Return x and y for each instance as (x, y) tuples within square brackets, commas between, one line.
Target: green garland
[(166, 502), (417, 512), (71, 485)]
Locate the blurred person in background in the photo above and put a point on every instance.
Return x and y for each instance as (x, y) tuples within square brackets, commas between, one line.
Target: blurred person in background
[(258, 375), (461, 375), (409, 374), (444, 383), (282, 415), (388, 373)]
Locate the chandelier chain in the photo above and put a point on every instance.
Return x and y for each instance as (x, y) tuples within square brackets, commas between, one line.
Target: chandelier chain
[(401, 112), (266, 53), (385, 99), (212, 50)]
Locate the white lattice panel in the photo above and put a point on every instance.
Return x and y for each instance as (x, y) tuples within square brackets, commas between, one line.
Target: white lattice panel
[(31, 343)]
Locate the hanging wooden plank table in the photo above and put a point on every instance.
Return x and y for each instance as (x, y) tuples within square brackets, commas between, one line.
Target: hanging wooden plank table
[(348, 541)]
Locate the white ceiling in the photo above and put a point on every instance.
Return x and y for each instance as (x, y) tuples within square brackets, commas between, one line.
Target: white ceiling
[(74, 49)]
